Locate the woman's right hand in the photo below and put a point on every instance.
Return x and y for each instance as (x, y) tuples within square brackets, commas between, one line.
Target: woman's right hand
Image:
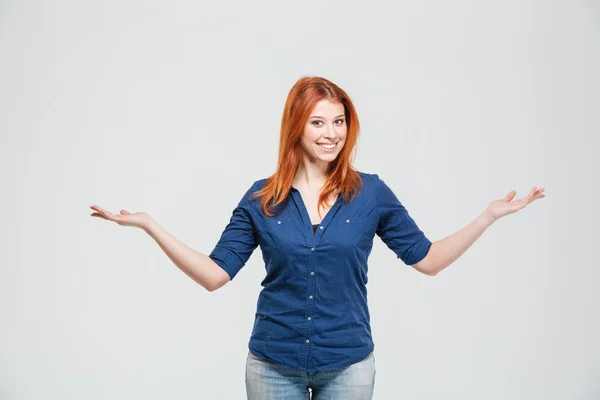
[(125, 218)]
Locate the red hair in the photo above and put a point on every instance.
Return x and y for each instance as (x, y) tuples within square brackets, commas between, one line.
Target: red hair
[(301, 100)]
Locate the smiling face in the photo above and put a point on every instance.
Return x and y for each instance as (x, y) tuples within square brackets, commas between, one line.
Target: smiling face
[(325, 131)]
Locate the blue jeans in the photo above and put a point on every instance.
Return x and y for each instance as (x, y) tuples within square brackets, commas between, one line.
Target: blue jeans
[(268, 381)]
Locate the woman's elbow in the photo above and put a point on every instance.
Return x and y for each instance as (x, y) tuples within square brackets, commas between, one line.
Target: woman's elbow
[(220, 278)]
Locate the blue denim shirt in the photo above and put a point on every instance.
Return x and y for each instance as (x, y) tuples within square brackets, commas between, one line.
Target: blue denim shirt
[(312, 312)]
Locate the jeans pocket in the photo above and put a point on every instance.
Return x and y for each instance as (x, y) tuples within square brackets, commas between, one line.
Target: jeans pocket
[(374, 365)]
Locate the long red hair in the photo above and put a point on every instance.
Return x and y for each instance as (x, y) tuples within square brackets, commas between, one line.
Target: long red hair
[(341, 176)]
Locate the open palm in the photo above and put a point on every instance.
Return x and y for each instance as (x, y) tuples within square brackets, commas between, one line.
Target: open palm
[(504, 206), (125, 218)]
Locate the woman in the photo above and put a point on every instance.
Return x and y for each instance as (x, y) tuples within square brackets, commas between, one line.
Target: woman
[(315, 219)]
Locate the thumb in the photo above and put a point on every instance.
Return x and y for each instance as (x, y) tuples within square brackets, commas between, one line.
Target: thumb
[(125, 212), (510, 195)]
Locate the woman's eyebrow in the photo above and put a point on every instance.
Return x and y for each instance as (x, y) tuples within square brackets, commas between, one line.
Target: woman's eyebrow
[(318, 116)]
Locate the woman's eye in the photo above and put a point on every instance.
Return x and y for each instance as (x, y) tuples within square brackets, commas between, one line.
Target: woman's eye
[(339, 122)]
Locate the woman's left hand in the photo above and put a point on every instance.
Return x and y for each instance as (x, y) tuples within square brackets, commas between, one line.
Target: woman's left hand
[(499, 208)]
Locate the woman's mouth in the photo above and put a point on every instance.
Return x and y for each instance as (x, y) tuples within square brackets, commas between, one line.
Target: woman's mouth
[(328, 147)]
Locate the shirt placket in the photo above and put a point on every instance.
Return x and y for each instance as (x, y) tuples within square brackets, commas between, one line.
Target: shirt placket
[(312, 267)]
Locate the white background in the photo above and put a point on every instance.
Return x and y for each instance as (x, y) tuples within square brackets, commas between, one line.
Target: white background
[(173, 108)]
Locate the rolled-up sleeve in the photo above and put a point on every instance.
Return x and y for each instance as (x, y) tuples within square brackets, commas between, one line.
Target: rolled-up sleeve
[(397, 229), (238, 240)]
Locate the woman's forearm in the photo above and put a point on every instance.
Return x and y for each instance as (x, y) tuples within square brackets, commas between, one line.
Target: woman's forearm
[(194, 264), (445, 251)]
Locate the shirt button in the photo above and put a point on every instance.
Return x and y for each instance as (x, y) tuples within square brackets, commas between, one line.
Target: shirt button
[(321, 227), (347, 220), (307, 341), (312, 273), (312, 249), (279, 222), (310, 297), (309, 318)]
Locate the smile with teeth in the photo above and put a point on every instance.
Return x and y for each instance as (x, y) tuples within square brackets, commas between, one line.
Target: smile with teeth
[(327, 146)]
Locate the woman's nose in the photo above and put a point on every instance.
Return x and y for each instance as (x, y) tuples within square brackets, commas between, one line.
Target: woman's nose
[(330, 132)]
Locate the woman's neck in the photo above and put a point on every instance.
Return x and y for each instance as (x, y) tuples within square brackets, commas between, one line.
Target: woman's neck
[(311, 175)]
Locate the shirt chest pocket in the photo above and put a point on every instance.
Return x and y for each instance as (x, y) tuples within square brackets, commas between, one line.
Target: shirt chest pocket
[(348, 232), (280, 231)]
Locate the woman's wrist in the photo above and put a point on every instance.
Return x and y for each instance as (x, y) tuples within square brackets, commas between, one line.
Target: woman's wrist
[(150, 226), (486, 218)]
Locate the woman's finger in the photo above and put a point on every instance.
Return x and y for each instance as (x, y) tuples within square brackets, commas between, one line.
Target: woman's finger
[(107, 214), (97, 208), (510, 195)]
